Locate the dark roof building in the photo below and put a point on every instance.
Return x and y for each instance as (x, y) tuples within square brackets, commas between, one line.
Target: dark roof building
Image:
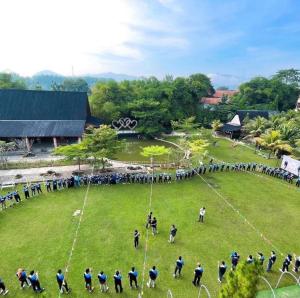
[(235, 125), (44, 114)]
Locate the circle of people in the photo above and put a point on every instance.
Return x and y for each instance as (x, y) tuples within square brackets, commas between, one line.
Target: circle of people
[(32, 279)]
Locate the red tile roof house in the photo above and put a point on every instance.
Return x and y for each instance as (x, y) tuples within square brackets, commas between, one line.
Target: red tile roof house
[(217, 97)]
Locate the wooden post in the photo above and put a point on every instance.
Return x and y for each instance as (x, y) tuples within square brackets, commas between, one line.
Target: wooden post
[(55, 142), (79, 140), (27, 143)]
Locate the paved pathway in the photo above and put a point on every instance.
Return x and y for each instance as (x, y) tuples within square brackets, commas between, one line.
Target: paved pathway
[(34, 174)]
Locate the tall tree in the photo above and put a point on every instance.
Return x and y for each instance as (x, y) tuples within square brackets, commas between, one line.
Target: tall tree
[(288, 76), (7, 81)]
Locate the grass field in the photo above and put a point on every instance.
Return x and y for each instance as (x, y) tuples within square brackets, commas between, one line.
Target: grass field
[(39, 233)]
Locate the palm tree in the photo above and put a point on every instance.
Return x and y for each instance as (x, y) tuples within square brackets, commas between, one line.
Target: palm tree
[(216, 125), (289, 132), (255, 127), (272, 141)]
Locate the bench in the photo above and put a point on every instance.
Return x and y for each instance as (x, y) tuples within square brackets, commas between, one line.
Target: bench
[(9, 184)]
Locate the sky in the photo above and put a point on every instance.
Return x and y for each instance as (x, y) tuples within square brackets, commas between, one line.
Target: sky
[(229, 40)]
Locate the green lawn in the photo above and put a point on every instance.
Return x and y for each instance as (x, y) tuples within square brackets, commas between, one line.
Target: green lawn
[(133, 148), (39, 233)]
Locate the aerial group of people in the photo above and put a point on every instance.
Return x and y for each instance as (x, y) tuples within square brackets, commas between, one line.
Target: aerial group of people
[(33, 189)]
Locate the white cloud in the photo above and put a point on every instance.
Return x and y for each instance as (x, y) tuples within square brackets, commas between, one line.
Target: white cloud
[(56, 34)]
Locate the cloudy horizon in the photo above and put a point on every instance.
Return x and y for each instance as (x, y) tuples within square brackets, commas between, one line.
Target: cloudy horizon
[(230, 42)]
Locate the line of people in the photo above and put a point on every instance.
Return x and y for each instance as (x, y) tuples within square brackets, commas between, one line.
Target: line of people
[(32, 279), (34, 189)]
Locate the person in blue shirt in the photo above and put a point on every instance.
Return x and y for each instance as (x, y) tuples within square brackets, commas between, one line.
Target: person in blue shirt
[(222, 270), (22, 277), (132, 275), (3, 289), (35, 283), (261, 258), (48, 186), (178, 267), (118, 282), (32, 187), (87, 275), (198, 272), (26, 191), (103, 282), (17, 196), (62, 283), (234, 260), (153, 273), (38, 188), (271, 261)]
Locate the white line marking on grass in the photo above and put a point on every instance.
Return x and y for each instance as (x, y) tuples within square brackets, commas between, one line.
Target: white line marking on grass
[(242, 216), (146, 240), (78, 227)]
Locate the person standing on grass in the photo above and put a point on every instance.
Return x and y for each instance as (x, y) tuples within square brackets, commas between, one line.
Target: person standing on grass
[(261, 258), (287, 261), (35, 283), (297, 263), (38, 188), (250, 259), (132, 275), (32, 187), (136, 237), (87, 275), (22, 277), (153, 273), (202, 214), (48, 186), (271, 261), (198, 272), (178, 267), (26, 191), (103, 282), (222, 270), (3, 289), (234, 260), (154, 226), (149, 220), (118, 282), (62, 283), (173, 233)]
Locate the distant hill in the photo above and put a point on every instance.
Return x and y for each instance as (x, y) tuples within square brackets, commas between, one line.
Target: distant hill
[(46, 78)]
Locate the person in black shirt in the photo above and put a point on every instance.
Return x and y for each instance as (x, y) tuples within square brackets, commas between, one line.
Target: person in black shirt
[(149, 219), (136, 236), (222, 270), (154, 226), (3, 289)]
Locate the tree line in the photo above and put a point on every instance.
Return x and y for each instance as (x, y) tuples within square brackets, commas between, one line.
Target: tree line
[(156, 103)]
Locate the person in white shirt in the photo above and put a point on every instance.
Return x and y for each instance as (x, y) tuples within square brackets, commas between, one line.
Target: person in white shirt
[(201, 214)]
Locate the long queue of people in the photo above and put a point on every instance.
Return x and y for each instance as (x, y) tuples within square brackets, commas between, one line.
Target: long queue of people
[(34, 189), (32, 279)]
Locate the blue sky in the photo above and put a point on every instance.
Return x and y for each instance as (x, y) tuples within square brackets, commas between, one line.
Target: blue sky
[(229, 40)]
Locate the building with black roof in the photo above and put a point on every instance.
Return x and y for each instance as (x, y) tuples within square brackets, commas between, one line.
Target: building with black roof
[(35, 114), (234, 127)]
